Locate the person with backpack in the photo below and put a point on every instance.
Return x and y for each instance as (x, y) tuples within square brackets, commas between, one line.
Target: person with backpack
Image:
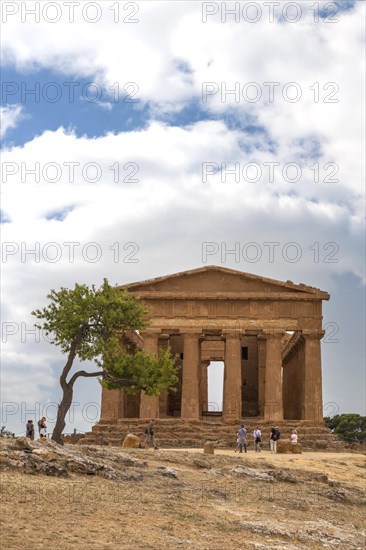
[(29, 429), (275, 436), (257, 434)]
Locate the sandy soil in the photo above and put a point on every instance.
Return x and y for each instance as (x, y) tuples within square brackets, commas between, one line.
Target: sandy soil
[(315, 502)]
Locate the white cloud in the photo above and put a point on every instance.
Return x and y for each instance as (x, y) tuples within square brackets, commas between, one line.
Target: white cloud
[(10, 116), (170, 211)]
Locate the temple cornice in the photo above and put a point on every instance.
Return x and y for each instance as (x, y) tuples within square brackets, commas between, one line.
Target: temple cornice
[(166, 295)]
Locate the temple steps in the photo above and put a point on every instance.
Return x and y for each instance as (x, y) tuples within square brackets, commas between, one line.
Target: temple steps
[(173, 433)]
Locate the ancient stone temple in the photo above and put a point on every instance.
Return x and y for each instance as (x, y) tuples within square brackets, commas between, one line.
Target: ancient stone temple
[(266, 332)]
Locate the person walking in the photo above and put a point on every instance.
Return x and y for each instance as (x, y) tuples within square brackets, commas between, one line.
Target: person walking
[(293, 437), (242, 436), (275, 436), (150, 437), (29, 429), (42, 427), (257, 434)]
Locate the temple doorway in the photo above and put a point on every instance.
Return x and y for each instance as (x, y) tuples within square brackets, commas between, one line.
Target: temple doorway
[(215, 382)]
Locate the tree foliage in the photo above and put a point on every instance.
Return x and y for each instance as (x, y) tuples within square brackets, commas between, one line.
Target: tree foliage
[(88, 317), (151, 373), (88, 324), (349, 427)]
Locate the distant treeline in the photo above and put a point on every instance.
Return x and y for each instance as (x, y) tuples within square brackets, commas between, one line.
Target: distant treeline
[(349, 427)]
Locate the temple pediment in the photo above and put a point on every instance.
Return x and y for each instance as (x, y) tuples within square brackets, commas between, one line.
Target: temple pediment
[(220, 281)]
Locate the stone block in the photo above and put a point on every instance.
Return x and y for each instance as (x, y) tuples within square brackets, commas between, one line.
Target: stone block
[(209, 448), (285, 446), (131, 441), (296, 448)]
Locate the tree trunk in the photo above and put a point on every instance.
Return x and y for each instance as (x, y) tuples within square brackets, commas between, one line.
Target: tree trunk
[(62, 411)]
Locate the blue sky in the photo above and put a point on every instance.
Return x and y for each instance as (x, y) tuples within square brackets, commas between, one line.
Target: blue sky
[(51, 100), (168, 211), (75, 108)]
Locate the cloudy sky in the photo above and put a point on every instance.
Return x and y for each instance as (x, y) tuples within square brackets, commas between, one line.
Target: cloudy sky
[(144, 138)]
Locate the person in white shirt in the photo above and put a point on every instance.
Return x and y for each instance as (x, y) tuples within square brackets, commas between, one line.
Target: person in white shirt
[(293, 437), (257, 434)]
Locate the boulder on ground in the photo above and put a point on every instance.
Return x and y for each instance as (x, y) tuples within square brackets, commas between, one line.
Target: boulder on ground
[(285, 446), (321, 444), (46, 454), (21, 444), (48, 443), (209, 448), (168, 472), (201, 463), (250, 472), (131, 442)]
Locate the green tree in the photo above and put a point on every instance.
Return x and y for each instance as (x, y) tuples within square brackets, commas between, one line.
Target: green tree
[(349, 427), (87, 323)]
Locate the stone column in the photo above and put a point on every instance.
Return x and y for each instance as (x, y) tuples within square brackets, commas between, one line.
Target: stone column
[(232, 408), (149, 404), (163, 397), (203, 386), (261, 373), (312, 404), (292, 383), (112, 405), (273, 403), (190, 384)]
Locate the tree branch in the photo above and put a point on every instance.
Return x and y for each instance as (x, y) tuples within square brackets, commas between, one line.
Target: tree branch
[(122, 381), (85, 374)]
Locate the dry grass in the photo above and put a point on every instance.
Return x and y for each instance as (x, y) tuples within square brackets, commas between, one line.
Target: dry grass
[(208, 508)]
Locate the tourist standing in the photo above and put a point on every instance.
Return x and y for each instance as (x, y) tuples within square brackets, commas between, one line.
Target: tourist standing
[(29, 429), (275, 436), (293, 437), (257, 434), (42, 428), (242, 436), (150, 437)]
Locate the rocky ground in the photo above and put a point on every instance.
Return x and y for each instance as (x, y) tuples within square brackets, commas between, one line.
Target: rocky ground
[(85, 497)]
